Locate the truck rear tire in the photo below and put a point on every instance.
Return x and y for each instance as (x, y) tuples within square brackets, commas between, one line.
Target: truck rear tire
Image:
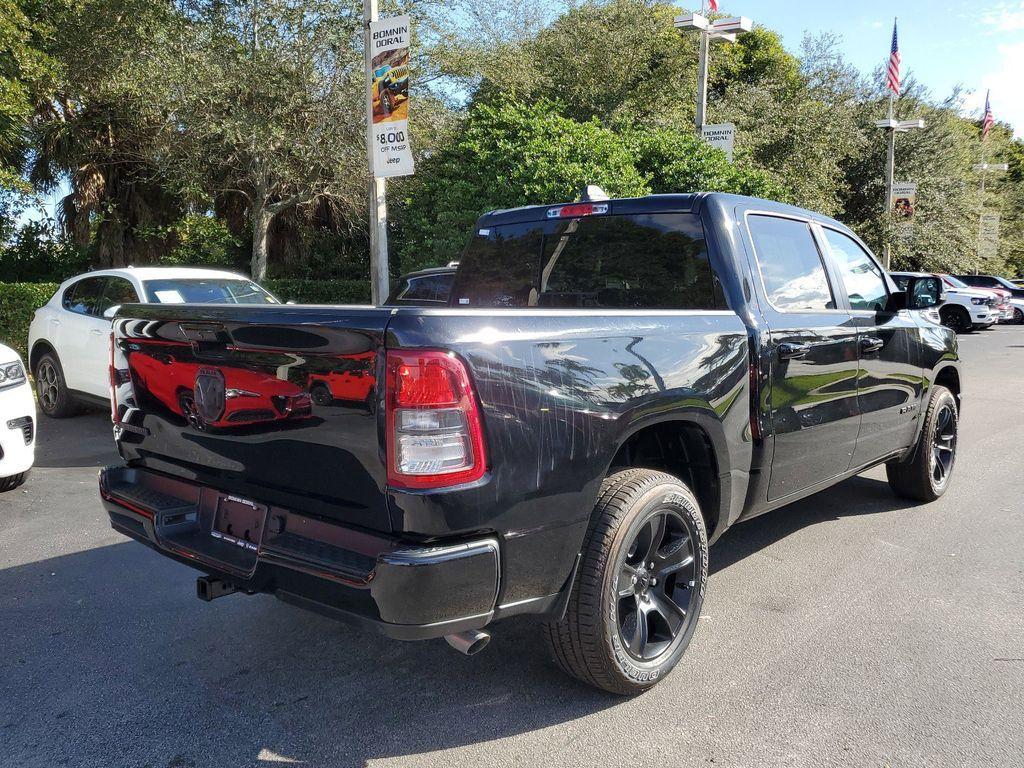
[(925, 475), (640, 584)]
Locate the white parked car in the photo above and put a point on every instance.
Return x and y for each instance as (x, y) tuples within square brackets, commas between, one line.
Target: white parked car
[(17, 421), (69, 338), (967, 308)]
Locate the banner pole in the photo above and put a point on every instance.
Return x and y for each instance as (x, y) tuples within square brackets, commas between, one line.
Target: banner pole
[(378, 187)]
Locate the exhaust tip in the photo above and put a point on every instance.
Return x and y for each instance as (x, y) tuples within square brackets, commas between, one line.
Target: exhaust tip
[(470, 642)]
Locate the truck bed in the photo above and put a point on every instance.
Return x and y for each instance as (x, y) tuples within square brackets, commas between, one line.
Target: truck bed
[(559, 391)]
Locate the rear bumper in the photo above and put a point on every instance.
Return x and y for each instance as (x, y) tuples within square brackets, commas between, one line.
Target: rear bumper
[(406, 591)]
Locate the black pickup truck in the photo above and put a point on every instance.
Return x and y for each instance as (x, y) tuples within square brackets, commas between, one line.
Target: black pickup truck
[(613, 384)]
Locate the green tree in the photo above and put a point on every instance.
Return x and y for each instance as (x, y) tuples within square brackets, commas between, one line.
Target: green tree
[(515, 154), (261, 99), (27, 75), (90, 134)]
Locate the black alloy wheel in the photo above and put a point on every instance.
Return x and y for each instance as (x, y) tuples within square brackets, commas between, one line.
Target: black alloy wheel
[(924, 475), (639, 586), (656, 586), (943, 445)]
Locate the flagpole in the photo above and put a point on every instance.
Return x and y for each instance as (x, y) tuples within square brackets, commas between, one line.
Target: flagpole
[(890, 168), (703, 50)]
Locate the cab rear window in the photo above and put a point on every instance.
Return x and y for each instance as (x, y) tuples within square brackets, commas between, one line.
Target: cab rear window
[(644, 261)]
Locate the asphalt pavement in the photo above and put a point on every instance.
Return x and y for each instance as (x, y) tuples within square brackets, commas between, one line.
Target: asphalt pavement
[(851, 628)]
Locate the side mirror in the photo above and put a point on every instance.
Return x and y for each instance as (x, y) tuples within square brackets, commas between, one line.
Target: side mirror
[(109, 312), (897, 301), (925, 292)]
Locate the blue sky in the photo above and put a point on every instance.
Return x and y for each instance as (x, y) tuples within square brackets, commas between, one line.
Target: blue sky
[(975, 44)]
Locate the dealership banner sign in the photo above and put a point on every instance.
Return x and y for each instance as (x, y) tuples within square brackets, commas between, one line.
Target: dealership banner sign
[(904, 201), (720, 136), (390, 148), (988, 236)]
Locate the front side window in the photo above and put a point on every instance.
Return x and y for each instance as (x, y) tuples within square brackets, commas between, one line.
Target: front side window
[(206, 290), (865, 285), (791, 266), (640, 261)]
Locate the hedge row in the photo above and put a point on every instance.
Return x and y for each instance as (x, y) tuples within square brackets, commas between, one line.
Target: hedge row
[(320, 291), (19, 301)]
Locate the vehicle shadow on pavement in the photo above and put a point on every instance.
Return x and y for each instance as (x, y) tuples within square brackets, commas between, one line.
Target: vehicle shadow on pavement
[(857, 496), (85, 440), (111, 659), (112, 645)]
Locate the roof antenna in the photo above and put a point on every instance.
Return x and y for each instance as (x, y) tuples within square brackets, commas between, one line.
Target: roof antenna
[(592, 193)]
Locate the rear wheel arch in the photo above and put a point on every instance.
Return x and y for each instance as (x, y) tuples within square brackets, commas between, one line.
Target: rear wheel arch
[(949, 377), (685, 448), (39, 349)]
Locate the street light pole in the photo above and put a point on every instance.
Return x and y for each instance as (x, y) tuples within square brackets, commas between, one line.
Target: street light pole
[(702, 77), (893, 126), (723, 29), (378, 187), (984, 168)]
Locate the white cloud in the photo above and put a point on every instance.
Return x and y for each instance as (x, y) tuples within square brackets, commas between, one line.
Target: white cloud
[(1004, 82), (1004, 17)]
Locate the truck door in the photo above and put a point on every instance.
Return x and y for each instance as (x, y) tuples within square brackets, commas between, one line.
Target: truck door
[(891, 383), (812, 398)]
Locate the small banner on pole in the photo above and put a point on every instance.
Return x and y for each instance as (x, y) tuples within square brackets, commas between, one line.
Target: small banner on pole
[(988, 236), (904, 201), (720, 136), (390, 148)]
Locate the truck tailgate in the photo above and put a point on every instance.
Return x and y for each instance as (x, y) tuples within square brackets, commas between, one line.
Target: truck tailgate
[(275, 403)]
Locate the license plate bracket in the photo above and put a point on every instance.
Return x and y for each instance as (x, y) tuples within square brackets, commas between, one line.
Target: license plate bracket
[(239, 521)]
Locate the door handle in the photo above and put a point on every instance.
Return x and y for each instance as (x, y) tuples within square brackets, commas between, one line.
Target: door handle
[(790, 351), (869, 344), (96, 331)]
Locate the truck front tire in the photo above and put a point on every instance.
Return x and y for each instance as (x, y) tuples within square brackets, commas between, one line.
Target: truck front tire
[(640, 585), (925, 475)]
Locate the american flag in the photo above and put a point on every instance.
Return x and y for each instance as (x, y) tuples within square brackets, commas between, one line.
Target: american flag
[(714, 5), (893, 78), (988, 121)]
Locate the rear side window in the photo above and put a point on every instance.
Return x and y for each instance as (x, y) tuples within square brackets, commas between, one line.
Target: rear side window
[(85, 297), (119, 291), (862, 278), (791, 266), (427, 288), (647, 261)]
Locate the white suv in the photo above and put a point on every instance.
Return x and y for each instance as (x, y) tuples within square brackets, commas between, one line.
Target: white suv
[(17, 421), (69, 338)]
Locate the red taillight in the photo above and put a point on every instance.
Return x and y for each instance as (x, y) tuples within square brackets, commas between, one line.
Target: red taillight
[(577, 209), (112, 372), (434, 434), (427, 382)]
